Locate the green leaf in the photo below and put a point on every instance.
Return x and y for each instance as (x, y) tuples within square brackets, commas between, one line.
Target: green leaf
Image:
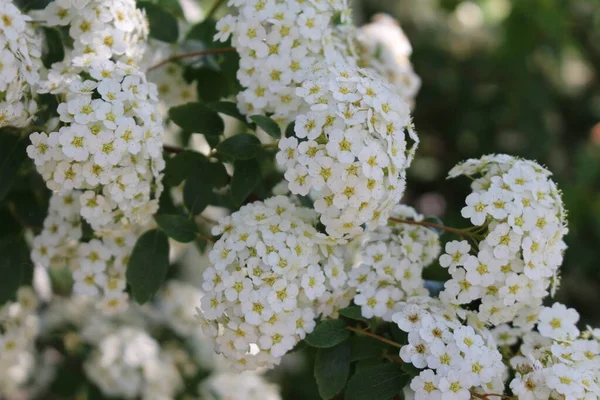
[(163, 25), (332, 367), (211, 85), (15, 266), (198, 188), (246, 176), (380, 382), (203, 32), (148, 265), (354, 313), (228, 108), (363, 347), (267, 125), (328, 334), (179, 166), (178, 227), (290, 129), (243, 146), (197, 118), (12, 154), (54, 50)]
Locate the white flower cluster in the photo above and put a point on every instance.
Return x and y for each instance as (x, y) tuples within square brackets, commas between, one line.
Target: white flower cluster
[(18, 330), (178, 304), (383, 47), (455, 358), (245, 386), (20, 51), (392, 261), (519, 243), (98, 265), (272, 275), (100, 29), (278, 43), (350, 151), (109, 145), (557, 362), (129, 363), (173, 89)]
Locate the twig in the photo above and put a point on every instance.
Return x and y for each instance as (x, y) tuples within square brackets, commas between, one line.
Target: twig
[(461, 232), (214, 9), (206, 237), (374, 336), (194, 54), (394, 358), (172, 149)]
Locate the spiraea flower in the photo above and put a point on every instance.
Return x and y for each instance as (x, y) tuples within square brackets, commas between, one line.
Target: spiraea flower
[(272, 275), (556, 361), (101, 29), (278, 43), (383, 46), (246, 386), (391, 262), (455, 357), (20, 51), (108, 144), (350, 152), (178, 303), (515, 254)]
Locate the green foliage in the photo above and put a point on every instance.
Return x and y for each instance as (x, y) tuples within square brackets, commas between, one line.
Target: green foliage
[(198, 190), (246, 176), (328, 334), (179, 166), (332, 368), (268, 125), (197, 118), (16, 268), (12, 155), (228, 108), (178, 227), (54, 50), (148, 265), (380, 382), (163, 25), (243, 146)]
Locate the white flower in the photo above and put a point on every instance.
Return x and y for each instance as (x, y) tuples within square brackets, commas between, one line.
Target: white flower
[(558, 322)]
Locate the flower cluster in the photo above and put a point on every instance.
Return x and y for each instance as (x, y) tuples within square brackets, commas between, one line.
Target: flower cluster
[(18, 329), (173, 89), (278, 43), (557, 362), (100, 29), (350, 152), (178, 303), (272, 275), (109, 144), (455, 358), (392, 259), (245, 386), (20, 51), (98, 265), (519, 225), (383, 47)]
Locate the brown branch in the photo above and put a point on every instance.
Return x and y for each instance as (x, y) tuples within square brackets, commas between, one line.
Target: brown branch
[(461, 232), (194, 54), (172, 149), (208, 238), (374, 336)]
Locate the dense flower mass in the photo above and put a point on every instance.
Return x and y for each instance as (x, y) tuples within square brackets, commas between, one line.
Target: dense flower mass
[(557, 362), (245, 386), (392, 259), (350, 152), (20, 51), (18, 330), (455, 358), (98, 264), (517, 250), (272, 275), (109, 145), (100, 29), (383, 47), (279, 42)]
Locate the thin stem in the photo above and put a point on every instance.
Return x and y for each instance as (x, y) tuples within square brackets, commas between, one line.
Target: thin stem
[(214, 9), (172, 149), (461, 232), (374, 336), (206, 237), (194, 54), (394, 358), (271, 145)]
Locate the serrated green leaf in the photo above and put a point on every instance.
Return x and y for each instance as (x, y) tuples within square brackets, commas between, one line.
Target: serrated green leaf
[(148, 265), (12, 154), (354, 312), (198, 190), (196, 117), (211, 85), (54, 50), (363, 347), (328, 334), (246, 176), (179, 166), (332, 367), (381, 382), (243, 146), (163, 25), (268, 125), (178, 227), (228, 108)]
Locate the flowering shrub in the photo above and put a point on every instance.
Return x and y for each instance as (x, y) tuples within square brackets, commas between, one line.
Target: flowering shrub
[(186, 206)]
